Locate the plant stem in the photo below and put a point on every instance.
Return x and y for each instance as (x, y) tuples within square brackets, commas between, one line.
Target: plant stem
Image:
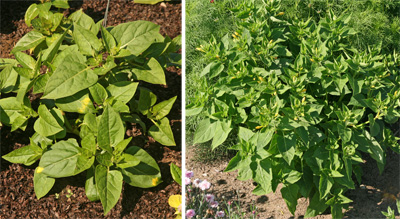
[(105, 15)]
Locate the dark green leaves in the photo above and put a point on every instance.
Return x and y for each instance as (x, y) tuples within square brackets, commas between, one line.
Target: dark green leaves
[(111, 130), (286, 143)]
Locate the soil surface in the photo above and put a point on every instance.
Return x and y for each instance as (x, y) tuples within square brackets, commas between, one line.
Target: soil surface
[(67, 199), (374, 195)]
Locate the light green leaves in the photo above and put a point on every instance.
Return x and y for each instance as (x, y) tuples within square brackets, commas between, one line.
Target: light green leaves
[(176, 173), (111, 130), (42, 184), (162, 132), (26, 155), (108, 40), (286, 143), (98, 93), (86, 40), (205, 131), (109, 186), (123, 90), (28, 41), (162, 109), (151, 72), (49, 122), (78, 103), (64, 159), (135, 36), (68, 79)]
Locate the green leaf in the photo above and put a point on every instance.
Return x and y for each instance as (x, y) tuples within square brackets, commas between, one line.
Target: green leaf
[(60, 4), (82, 19), (245, 133), (263, 175), (8, 79), (90, 185), (344, 133), (108, 40), (146, 174), (26, 155), (135, 36), (88, 142), (65, 158), (222, 130), (127, 161), (68, 79), (123, 90), (205, 131), (28, 41), (162, 109), (50, 53), (176, 173), (31, 13), (151, 72), (162, 133), (315, 207), (49, 122), (213, 69), (374, 127), (87, 42), (109, 186), (290, 195), (146, 100), (5, 62), (110, 130), (42, 184), (25, 60), (98, 93), (120, 147), (77, 103), (286, 145), (325, 185)]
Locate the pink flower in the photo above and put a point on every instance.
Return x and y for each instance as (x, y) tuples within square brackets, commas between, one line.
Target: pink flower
[(196, 182), (187, 181), (220, 214), (209, 197), (190, 213), (229, 202), (214, 204), (189, 174), (204, 185)]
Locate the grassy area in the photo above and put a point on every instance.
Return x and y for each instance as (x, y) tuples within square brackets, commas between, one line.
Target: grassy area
[(375, 21)]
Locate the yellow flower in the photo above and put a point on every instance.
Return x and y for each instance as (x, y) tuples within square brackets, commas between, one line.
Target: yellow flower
[(85, 102), (280, 13), (175, 200), (39, 169), (155, 181)]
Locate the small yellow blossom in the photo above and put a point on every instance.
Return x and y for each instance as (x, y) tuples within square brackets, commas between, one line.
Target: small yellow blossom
[(259, 127), (39, 169), (155, 181), (280, 13)]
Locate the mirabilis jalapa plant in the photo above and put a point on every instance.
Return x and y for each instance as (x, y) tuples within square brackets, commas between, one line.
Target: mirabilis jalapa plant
[(88, 90), (305, 105)]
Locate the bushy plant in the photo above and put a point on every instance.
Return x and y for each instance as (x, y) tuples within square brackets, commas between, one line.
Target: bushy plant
[(87, 87), (307, 106)]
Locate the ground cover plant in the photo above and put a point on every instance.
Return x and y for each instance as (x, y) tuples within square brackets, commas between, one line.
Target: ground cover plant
[(88, 87), (305, 104)]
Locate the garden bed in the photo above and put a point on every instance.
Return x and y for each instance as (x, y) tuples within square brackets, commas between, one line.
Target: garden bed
[(67, 199)]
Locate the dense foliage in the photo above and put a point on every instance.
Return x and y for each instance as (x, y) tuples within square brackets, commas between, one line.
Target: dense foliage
[(305, 104), (87, 87)]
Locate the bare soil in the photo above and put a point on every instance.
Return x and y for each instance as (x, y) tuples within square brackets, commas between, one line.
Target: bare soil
[(374, 195), (67, 199)]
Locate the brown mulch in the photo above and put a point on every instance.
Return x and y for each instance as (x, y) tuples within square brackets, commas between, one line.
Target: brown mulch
[(67, 199)]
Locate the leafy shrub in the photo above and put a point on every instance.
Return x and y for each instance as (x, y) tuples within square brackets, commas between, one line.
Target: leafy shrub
[(88, 88), (306, 105)]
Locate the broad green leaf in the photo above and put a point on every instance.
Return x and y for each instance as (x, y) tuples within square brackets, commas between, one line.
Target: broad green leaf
[(60, 4), (108, 40), (286, 145), (5, 62), (28, 41), (344, 133), (25, 60), (110, 130), (205, 131), (123, 90), (68, 79), (88, 142), (109, 186), (87, 42), (49, 122), (70, 50), (135, 36), (213, 70), (245, 172), (98, 93), (42, 184), (120, 147), (374, 127), (11, 109), (8, 79), (146, 100), (325, 185), (90, 185), (245, 133), (90, 123), (146, 174), (176, 173), (263, 175), (315, 207), (65, 158), (192, 111), (290, 195), (26, 155), (127, 161), (31, 13), (77, 103), (222, 130), (82, 19), (40, 83), (162, 109), (162, 133), (151, 72), (50, 53)]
